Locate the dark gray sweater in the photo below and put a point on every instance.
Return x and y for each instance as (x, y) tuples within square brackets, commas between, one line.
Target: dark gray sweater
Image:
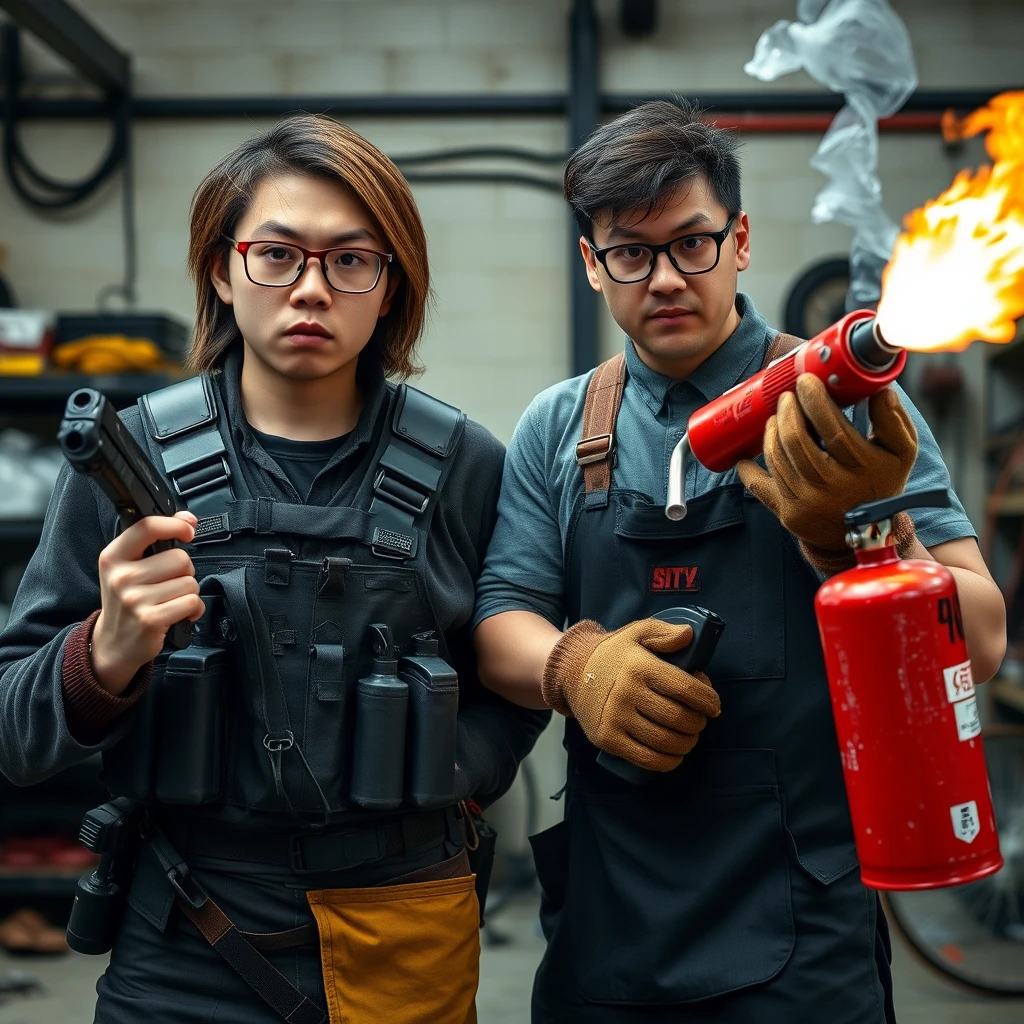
[(52, 714)]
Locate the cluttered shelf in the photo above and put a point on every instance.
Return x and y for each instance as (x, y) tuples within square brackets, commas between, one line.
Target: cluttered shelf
[(1009, 504), (50, 390)]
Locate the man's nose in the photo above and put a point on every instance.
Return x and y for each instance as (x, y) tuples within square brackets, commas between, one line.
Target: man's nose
[(664, 276), (311, 286)]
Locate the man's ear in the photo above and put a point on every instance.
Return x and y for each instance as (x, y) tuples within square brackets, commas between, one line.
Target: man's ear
[(742, 241), (219, 278), (591, 262), (394, 280)]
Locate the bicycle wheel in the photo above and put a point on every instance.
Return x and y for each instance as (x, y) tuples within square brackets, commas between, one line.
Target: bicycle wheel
[(973, 935)]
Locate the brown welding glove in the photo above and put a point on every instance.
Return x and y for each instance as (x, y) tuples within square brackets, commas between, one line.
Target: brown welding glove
[(627, 700), (810, 490)]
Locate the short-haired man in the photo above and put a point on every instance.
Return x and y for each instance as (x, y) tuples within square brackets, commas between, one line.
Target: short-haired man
[(728, 890)]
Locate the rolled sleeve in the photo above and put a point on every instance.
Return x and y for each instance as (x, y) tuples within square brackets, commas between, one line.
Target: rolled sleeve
[(933, 525), (523, 568)]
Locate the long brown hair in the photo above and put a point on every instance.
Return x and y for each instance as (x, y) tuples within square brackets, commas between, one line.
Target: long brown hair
[(321, 147)]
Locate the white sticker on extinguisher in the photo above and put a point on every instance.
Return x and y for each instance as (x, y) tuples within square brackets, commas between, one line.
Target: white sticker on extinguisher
[(959, 682), (965, 821), (968, 724)]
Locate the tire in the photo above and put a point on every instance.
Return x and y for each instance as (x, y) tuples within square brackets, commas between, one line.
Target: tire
[(973, 935), (817, 298)]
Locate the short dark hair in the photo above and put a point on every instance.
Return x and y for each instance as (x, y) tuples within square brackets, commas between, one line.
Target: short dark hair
[(637, 161)]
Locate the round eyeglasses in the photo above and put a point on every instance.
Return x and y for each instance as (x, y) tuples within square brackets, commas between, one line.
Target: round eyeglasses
[(280, 264), (691, 254)]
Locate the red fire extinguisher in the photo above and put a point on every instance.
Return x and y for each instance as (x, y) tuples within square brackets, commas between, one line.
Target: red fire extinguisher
[(905, 711)]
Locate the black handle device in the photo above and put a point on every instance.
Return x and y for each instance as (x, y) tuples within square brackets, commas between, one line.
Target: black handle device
[(111, 831), (97, 444), (694, 657)]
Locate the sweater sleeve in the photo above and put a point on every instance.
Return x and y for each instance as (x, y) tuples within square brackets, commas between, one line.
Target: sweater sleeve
[(493, 734), (42, 730)]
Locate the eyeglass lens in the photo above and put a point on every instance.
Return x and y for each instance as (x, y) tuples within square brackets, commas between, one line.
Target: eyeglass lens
[(348, 270), (692, 254)]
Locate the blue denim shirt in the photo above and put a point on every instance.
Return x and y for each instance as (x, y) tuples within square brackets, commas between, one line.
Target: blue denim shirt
[(524, 566)]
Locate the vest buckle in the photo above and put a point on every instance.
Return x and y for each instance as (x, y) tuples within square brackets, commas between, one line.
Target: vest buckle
[(281, 741)]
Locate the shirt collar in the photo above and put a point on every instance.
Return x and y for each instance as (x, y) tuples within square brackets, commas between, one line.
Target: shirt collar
[(375, 390), (730, 363)]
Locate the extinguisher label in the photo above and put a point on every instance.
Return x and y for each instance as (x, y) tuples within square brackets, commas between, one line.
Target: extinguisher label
[(959, 681), (968, 724), (965, 821)]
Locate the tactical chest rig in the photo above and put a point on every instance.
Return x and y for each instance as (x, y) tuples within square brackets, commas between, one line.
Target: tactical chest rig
[(260, 712)]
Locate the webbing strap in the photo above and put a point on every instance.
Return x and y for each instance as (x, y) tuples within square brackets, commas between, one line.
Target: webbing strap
[(241, 955), (271, 708), (600, 410), (267, 516)]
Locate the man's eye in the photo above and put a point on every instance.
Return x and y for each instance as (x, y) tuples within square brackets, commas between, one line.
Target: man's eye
[(276, 254), (693, 242), (349, 259), (632, 252)]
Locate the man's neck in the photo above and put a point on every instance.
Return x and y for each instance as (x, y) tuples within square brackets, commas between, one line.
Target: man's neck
[(300, 410)]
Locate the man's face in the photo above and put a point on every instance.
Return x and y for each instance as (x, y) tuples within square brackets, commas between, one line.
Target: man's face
[(306, 330), (676, 320)]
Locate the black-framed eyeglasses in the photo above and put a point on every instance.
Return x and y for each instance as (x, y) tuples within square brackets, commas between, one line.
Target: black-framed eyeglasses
[(280, 264), (696, 253)]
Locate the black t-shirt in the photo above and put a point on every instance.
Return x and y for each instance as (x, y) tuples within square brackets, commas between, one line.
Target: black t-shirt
[(300, 461)]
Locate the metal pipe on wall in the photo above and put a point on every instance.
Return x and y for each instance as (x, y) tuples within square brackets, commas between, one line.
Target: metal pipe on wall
[(584, 115)]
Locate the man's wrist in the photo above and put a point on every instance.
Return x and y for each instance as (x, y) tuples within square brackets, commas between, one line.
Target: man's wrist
[(567, 662)]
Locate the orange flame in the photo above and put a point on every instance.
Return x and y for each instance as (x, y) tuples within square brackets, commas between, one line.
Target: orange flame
[(957, 271)]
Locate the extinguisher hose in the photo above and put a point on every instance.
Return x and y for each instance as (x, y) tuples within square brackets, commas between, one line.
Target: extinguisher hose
[(675, 506)]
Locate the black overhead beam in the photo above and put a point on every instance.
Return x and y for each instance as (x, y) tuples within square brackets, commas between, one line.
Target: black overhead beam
[(471, 104), (584, 112), (66, 32)]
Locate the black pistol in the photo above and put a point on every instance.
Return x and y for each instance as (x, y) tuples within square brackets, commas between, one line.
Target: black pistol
[(97, 444), (694, 657)]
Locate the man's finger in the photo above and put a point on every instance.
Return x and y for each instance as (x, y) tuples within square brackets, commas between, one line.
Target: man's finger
[(665, 637), (659, 739), (891, 425), (133, 542), (685, 688), (837, 433), (805, 457), (760, 484)]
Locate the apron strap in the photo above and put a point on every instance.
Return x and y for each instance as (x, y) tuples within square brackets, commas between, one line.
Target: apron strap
[(781, 345), (600, 410)]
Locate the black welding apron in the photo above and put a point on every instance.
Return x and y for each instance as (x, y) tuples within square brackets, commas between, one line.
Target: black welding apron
[(728, 890)]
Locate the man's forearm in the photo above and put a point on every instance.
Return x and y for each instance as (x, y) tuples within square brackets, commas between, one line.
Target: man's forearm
[(981, 606), (512, 649)]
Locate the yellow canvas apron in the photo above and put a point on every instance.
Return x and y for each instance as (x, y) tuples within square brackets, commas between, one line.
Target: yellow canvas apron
[(400, 954)]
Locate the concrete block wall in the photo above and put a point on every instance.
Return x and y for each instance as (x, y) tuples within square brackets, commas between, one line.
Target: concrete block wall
[(498, 332)]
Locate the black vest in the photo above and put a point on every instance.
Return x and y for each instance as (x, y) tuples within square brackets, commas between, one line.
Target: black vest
[(296, 632)]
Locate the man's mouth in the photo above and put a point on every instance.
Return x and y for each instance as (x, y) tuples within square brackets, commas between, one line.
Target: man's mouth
[(307, 333), (670, 314)]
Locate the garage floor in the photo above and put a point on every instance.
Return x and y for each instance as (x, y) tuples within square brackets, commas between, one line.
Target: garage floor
[(507, 973)]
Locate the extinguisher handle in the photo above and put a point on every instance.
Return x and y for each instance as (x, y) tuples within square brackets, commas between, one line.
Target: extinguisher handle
[(694, 657), (875, 511)]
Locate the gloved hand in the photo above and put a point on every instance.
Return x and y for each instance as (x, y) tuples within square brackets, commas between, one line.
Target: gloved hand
[(810, 490), (627, 700)]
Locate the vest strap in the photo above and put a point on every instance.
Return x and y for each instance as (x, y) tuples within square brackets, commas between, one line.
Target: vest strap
[(182, 420), (425, 433)]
